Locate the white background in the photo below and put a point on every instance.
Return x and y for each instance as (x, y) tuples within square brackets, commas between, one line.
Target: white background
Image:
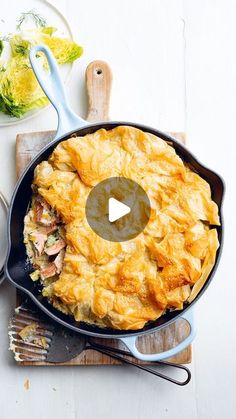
[(174, 68)]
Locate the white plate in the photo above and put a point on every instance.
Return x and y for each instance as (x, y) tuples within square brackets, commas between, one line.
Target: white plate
[(10, 12)]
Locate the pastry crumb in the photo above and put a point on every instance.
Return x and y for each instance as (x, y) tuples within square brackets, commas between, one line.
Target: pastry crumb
[(27, 384), (28, 332), (42, 341)]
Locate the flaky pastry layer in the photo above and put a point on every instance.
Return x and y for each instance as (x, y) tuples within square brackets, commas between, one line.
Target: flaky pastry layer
[(124, 285)]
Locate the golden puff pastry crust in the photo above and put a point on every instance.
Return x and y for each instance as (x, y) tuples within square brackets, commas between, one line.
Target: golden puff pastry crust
[(124, 285)]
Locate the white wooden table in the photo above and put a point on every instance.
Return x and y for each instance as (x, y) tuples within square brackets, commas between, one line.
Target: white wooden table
[(174, 68)]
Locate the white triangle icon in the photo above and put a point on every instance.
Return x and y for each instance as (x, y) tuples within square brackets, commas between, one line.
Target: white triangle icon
[(116, 209)]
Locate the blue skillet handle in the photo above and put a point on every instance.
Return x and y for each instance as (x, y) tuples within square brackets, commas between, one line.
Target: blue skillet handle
[(130, 342), (53, 88)]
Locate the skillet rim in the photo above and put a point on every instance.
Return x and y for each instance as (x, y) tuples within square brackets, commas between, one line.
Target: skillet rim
[(114, 333)]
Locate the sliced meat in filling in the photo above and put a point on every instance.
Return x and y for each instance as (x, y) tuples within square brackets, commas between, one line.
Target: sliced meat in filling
[(44, 238)]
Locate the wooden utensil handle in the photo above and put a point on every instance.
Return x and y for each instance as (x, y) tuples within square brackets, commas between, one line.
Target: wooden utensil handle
[(98, 83)]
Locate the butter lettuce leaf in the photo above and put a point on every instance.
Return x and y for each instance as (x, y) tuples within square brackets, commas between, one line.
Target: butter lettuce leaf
[(64, 50), (19, 46), (19, 89), (1, 47)]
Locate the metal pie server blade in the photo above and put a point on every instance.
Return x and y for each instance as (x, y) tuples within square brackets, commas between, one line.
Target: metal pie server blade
[(34, 338)]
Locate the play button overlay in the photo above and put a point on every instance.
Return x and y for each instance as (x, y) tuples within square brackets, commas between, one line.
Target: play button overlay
[(117, 209)]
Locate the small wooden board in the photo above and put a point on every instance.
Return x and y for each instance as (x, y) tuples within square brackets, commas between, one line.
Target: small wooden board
[(98, 78)]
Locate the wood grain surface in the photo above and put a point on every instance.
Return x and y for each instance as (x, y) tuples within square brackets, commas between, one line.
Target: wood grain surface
[(98, 83)]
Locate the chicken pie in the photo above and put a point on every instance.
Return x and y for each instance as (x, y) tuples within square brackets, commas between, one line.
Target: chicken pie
[(121, 285)]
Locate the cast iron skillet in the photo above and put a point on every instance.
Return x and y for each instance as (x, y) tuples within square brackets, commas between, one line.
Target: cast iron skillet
[(17, 267)]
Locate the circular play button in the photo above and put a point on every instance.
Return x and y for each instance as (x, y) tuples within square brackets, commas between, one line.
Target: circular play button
[(117, 209)]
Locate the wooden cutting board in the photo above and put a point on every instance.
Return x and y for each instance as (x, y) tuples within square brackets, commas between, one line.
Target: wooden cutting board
[(98, 83)]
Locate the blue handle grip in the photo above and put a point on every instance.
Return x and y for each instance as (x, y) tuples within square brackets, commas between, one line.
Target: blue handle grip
[(130, 342), (53, 88)]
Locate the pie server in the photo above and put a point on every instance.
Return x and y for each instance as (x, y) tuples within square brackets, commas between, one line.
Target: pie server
[(62, 345), (17, 267)]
